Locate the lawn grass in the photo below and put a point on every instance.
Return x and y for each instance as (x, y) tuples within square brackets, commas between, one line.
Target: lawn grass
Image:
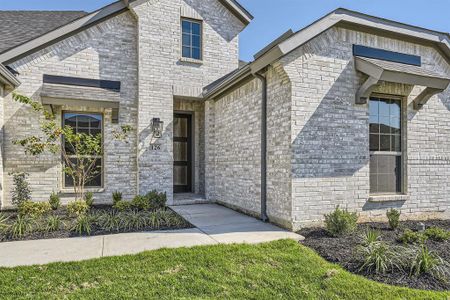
[(277, 270)]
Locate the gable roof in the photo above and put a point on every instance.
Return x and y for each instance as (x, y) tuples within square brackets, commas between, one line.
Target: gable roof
[(18, 27), (51, 28), (342, 17)]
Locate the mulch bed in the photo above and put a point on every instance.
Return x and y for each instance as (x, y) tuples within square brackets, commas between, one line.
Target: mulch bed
[(341, 250), (95, 230)]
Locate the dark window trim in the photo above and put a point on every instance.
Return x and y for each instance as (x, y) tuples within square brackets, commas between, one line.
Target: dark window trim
[(403, 138), (102, 179), (382, 54), (200, 22), (87, 82)]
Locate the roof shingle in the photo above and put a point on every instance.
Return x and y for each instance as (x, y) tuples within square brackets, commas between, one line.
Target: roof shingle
[(18, 27)]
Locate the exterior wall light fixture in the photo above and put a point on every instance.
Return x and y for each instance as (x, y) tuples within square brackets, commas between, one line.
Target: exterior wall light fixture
[(157, 127)]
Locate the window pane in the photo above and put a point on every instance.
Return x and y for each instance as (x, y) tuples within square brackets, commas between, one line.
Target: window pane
[(385, 125), (395, 109), (385, 173), (373, 107), (385, 143), (396, 143), (196, 29), (395, 125), (186, 40), (97, 171), (384, 107), (196, 41), (196, 53), (96, 121), (186, 25), (374, 142), (187, 52), (83, 121)]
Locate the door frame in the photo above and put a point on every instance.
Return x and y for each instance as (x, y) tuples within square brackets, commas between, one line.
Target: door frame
[(191, 151)]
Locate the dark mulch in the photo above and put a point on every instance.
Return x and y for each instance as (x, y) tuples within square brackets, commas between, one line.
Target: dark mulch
[(341, 250), (95, 230)]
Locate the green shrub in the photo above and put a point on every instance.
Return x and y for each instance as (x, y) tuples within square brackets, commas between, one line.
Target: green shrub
[(393, 216), (4, 226), (110, 221), (21, 191), (123, 205), (371, 236), (34, 209), (428, 262), (437, 234), (341, 222), (77, 208), (141, 203), (89, 198), (156, 200), (54, 201), (83, 224), (22, 225), (412, 237), (380, 258), (167, 218), (135, 220), (53, 224), (117, 196)]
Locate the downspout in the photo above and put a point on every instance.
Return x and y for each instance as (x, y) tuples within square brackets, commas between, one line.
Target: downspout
[(263, 79)]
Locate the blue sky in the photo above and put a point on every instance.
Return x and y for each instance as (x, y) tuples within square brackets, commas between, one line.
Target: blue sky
[(273, 17)]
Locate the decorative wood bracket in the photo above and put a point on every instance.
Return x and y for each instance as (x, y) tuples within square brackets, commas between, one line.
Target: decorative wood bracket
[(365, 90), (423, 97)]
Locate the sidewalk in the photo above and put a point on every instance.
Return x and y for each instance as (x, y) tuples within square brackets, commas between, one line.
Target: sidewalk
[(215, 225)]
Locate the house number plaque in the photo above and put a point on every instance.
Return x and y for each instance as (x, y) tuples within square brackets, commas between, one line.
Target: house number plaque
[(155, 147)]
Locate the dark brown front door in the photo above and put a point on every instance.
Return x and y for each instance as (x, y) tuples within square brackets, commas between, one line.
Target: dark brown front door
[(182, 153)]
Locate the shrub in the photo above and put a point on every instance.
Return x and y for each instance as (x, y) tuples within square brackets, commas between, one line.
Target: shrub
[(110, 221), (83, 225), (117, 196), (168, 218), (437, 234), (53, 224), (380, 258), (54, 201), (89, 198), (156, 200), (22, 226), (21, 191), (371, 236), (341, 222), (34, 209), (135, 220), (141, 203), (428, 262), (77, 208), (393, 216), (412, 237), (4, 223), (123, 205)]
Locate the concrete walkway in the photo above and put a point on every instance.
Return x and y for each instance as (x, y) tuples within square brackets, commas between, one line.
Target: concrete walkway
[(215, 224)]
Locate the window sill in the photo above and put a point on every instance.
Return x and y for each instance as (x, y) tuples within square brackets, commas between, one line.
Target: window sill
[(92, 190), (191, 60), (388, 198)]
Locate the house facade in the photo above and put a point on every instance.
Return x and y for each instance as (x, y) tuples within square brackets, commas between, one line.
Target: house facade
[(352, 110)]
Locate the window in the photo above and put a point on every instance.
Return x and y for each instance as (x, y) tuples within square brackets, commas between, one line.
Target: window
[(91, 124), (192, 39), (385, 146)]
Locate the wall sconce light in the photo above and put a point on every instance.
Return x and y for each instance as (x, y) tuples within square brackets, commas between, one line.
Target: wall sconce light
[(157, 127)]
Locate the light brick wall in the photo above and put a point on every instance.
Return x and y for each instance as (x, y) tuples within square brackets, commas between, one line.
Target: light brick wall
[(2, 94), (330, 157), (105, 51), (161, 71)]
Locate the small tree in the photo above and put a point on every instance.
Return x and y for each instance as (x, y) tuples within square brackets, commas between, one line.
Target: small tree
[(21, 191), (80, 151)]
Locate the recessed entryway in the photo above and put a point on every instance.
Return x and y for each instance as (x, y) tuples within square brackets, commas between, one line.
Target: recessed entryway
[(182, 153)]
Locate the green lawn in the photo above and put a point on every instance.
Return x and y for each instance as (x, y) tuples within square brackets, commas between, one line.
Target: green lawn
[(277, 270)]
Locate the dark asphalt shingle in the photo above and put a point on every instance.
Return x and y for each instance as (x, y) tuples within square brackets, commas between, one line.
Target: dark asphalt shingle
[(18, 27)]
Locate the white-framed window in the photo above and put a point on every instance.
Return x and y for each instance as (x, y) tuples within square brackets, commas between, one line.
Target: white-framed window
[(192, 44), (88, 123), (386, 161)]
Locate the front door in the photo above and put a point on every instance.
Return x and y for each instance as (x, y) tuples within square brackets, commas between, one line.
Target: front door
[(182, 153)]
